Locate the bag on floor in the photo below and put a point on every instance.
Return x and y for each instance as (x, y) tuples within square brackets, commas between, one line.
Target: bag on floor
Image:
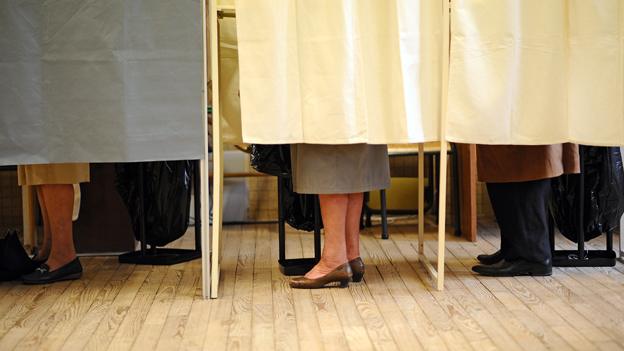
[(603, 201), (167, 198), (14, 261)]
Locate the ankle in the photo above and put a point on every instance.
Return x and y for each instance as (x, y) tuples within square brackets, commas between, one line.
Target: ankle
[(58, 261), (351, 257)]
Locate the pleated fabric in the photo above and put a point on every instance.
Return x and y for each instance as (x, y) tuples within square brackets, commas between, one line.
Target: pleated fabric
[(339, 71), (534, 72)]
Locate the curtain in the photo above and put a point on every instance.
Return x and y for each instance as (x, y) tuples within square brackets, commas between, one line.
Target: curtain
[(339, 71), (100, 81), (537, 72)]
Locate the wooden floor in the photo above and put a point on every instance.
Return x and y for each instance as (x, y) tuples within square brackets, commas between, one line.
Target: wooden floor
[(120, 307)]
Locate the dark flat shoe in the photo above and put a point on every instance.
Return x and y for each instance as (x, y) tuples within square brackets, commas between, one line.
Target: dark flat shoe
[(340, 275), (515, 268), (491, 259), (43, 275), (357, 267)]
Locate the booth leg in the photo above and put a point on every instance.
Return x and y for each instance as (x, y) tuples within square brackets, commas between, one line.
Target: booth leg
[(442, 216), (421, 199)]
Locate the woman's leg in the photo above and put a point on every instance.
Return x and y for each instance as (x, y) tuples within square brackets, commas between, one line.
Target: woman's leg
[(58, 201), (354, 214), (334, 212), (44, 250)]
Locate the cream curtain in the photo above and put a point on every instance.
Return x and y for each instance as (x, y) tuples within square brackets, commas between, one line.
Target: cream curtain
[(340, 71), (229, 86), (537, 72)]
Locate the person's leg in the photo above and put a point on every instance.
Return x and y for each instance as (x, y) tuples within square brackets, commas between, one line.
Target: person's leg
[(530, 238), (354, 214), (522, 213), (44, 251), (499, 194), (334, 213), (58, 201)]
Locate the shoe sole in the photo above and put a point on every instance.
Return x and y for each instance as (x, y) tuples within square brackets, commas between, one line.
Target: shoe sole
[(74, 276), (523, 274)]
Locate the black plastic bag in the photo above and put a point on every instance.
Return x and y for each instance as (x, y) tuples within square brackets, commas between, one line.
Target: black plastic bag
[(14, 261), (167, 198), (604, 194), (298, 208), (271, 159), (275, 160)]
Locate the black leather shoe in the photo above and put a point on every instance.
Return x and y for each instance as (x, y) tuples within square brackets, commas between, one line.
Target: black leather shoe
[(43, 275), (491, 259), (515, 268)]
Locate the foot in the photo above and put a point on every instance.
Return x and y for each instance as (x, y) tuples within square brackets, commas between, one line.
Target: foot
[(341, 275), (491, 259), (515, 268), (55, 262), (44, 275), (323, 268)]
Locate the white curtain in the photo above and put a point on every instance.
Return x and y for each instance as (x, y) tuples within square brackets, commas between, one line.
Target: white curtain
[(340, 71), (537, 72)]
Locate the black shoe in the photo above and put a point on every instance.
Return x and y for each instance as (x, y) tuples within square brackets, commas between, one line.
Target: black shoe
[(515, 268), (43, 275), (491, 259)]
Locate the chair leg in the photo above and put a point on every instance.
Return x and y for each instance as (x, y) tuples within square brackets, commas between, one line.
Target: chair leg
[(384, 215), (367, 211), (456, 207)]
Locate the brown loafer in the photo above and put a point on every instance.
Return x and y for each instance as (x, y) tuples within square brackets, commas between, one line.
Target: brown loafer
[(357, 266), (341, 274)]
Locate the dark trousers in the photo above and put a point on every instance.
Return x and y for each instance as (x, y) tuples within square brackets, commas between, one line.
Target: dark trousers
[(521, 210)]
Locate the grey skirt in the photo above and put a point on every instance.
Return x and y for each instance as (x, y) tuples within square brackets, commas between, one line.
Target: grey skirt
[(339, 169)]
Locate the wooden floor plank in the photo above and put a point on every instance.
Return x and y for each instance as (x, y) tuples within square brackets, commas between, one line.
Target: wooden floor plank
[(34, 325), (153, 325), (239, 337), (67, 311), (118, 307), (320, 310), (99, 310), (172, 332), (196, 322), (117, 310), (262, 315), (411, 293), (220, 313)]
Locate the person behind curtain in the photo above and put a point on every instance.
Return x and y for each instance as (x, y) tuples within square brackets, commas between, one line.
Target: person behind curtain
[(519, 185), (339, 174), (55, 192)]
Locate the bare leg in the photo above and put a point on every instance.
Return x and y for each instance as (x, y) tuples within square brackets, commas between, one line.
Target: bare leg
[(334, 212), (44, 250), (59, 203), (354, 214)]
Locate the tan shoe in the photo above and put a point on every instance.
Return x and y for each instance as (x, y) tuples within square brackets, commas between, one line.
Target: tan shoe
[(357, 266), (341, 274)]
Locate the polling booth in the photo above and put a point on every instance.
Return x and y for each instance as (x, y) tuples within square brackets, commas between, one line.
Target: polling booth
[(516, 72), (103, 81)]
